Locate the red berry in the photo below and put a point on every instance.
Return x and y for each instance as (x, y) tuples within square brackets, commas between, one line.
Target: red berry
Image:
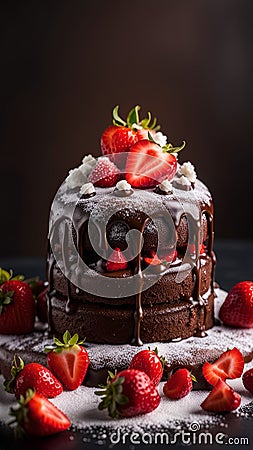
[(17, 308), (38, 416), (247, 380), (104, 174), (32, 376), (167, 258), (237, 309), (229, 365), (41, 305), (129, 393), (106, 142), (68, 360), (179, 384), (123, 139), (149, 362), (148, 165), (117, 261), (222, 398)]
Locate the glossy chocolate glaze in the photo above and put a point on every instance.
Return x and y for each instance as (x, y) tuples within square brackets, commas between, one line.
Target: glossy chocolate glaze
[(137, 219)]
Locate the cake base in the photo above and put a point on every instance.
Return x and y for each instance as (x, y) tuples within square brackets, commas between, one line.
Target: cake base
[(191, 353)]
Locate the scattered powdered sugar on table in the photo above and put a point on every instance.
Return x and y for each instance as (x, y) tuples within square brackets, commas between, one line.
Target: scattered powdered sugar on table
[(81, 405)]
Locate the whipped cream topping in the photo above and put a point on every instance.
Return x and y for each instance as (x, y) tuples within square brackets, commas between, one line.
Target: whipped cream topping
[(123, 185), (183, 181), (135, 126), (76, 178), (87, 188), (166, 186), (160, 138), (89, 160), (188, 170)]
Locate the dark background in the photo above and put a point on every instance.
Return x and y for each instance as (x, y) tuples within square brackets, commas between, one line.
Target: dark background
[(65, 64)]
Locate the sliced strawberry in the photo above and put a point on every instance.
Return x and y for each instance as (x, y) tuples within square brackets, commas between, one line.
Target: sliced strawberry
[(179, 384), (105, 173), (147, 165), (222, 398), (117, 261), (167, 258), (228, 366), (68, 360), (153, 259), (34, 376), (149, 362), (106, 142), (38, 416)]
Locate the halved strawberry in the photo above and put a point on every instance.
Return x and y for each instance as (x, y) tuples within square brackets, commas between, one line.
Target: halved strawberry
[(229, 365), (166, 258), (68, 360), (147, 164), (38, 416), (222, 398), (116, 261)]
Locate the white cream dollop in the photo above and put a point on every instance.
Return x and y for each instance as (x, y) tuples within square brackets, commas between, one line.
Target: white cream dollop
[(87, 188), (90, 160), (166, 186), (75, 178), (123, 185), (188, 170), (184, 181), (160, 138), (135, 126)]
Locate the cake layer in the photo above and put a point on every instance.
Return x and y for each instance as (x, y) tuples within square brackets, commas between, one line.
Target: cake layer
[(166, 290), (115, 325)]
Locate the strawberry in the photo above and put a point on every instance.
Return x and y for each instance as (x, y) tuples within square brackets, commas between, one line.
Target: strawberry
[(237, 309), (17, 308), (105, 173), (148, 164), (129, 393), (247, 380), (167, 258), (222, 398), (34, 376), (179, 384), (41, 305), (149, 362), (107, 146), (117, 261), (229, 365), (68, 360), (123, 134), (38, 416)]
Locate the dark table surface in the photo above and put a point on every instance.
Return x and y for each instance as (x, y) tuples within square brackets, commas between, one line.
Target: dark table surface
[(234, 264)]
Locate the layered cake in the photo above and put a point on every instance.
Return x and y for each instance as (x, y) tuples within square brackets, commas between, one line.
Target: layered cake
[(130, 248)]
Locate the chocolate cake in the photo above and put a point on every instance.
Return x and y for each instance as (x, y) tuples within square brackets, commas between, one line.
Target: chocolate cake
[(155, 217)]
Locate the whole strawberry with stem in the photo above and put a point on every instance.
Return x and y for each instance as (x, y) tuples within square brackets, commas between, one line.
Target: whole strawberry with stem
[(120, 136), (68, 360), (149, 362), (237, 309), (34, 376), (148, 163), (17, 307), (128, 394), (37, 416), (179, 384)]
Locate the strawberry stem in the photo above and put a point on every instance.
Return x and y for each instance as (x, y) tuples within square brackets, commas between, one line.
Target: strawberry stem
[(17, 365), (112, 396), (68, 342), (5, 299), (116, 118)]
